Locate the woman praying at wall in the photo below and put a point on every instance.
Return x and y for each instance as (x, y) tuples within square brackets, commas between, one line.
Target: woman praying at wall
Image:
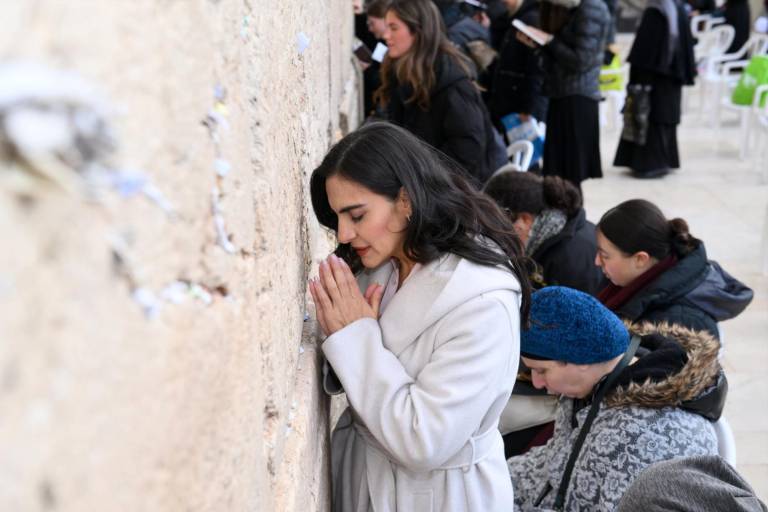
[(421, 303), (428, 88)]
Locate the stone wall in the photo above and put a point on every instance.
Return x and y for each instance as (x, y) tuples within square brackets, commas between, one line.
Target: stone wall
[(156, 239)]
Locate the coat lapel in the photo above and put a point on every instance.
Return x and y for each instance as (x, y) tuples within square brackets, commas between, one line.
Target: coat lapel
[(413, 306)]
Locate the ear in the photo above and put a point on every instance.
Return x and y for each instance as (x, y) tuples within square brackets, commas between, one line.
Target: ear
[(526, 217), (403, 202), (642, 259)]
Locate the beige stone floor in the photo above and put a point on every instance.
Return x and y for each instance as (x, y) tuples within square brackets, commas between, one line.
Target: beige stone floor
[(725, 201)]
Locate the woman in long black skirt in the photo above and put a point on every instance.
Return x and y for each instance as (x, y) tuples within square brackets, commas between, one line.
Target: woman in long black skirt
[(572, 60), (662, 57)]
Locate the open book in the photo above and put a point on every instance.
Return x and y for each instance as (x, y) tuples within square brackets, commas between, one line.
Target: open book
[(538, 36)]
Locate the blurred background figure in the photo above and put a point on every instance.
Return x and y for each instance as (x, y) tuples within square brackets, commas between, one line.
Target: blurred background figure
[(516, 85), (428, 88), (662, 59), (372, 35), (572, 60)]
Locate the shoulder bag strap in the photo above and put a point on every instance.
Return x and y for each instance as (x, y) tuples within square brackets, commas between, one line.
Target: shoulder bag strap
[(593, 410)]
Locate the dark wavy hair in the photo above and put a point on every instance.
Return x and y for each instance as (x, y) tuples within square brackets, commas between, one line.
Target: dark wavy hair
[(639, 225), (519, 192), (417, 67), (448, 214)]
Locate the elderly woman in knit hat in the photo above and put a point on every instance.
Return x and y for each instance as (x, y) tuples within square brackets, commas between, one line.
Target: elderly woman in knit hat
[(628, 398), (573, 46)]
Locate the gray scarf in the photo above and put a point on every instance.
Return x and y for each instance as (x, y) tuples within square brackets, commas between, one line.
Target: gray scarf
[(546, 225), (668, 9)]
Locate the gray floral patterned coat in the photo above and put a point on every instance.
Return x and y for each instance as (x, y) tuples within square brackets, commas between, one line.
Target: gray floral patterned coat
[(640, 423)]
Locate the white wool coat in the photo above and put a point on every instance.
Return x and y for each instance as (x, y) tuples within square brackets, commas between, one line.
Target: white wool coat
[(426, 385)]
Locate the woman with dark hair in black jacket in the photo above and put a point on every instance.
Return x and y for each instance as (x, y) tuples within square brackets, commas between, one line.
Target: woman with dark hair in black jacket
[(428, 88), (572, 60), (551, 223), (660, 273)]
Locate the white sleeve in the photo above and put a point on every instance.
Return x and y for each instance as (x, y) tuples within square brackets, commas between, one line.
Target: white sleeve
[(423, 421)]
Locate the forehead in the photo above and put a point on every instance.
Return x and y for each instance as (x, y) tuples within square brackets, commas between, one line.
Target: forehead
[(536, 364), (603, 243), (392, 17), (343, 192)]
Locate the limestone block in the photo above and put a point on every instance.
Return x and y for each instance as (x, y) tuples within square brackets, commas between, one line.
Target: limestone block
[(152, 313)]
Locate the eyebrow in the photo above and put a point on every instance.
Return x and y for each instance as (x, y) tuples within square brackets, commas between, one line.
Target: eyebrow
[(351, 207)]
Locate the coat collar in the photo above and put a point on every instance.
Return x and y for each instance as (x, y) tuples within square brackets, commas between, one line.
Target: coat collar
[(432, 291), (688, 273)]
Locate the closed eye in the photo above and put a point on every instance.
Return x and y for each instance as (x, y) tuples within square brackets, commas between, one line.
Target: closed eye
[(356, 219)]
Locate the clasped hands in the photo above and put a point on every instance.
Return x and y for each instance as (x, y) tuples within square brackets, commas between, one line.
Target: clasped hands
[(338, 299)]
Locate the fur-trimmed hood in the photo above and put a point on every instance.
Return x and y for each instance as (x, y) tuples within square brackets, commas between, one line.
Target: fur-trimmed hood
[(664, 375)]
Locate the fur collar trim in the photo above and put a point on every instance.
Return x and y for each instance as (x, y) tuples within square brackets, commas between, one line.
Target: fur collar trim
[(699, 373)]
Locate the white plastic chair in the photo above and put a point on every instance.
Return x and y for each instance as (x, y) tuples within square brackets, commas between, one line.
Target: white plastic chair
[(712, 43), (726, 443), (748, 114), (760, 122), (722, 72), (610, 109), (765, 244), (520, 154)]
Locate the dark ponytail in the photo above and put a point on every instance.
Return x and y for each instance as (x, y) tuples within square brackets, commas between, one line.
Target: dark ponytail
[(639, 225), (519, 192)]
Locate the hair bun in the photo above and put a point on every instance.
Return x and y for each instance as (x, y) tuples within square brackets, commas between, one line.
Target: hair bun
[(682, 240), (560, 194)]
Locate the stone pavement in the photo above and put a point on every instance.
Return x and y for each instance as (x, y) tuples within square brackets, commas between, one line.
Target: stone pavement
[(725, 201)]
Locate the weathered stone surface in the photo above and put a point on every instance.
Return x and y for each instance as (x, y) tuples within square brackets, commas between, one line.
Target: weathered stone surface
[(210, 404)]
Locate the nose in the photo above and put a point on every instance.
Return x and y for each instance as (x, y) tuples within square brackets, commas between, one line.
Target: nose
[(345, 232), (598, 263), (538, 381)]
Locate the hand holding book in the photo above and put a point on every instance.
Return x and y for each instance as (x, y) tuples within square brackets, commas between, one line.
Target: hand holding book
[(537, 36)]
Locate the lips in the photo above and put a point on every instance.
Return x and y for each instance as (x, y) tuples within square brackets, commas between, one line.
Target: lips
[(361, 251)]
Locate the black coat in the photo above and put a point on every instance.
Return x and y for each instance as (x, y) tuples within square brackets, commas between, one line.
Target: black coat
[(518, 76), (573, 58), (736, 13), (568, 258), (456, 122), (695, 293), (650, 63)]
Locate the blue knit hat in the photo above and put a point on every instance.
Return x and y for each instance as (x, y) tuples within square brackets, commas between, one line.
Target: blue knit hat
[(571, 326)]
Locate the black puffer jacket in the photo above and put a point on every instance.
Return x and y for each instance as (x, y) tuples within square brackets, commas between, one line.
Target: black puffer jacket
[(568, 258), (573, 58), (518, 76), (456, 122), (695, 293)]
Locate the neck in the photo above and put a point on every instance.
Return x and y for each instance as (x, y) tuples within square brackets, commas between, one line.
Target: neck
[(404, 267), (603, 369)]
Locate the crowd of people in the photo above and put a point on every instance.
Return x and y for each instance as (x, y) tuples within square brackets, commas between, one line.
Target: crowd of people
[(497, 350)]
